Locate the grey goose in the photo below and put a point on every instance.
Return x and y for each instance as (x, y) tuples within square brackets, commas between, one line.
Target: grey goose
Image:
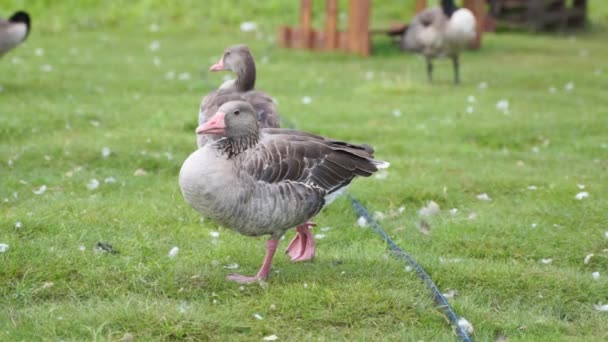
[(264, 181)]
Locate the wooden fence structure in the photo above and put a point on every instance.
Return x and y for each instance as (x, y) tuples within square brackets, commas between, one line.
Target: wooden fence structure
[(357, 36)]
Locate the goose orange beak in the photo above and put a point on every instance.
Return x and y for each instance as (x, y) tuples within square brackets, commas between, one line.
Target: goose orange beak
[(215, 125), (219, 66)]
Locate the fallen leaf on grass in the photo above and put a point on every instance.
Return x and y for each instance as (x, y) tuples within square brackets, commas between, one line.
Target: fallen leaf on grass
[(127, 338), (306, 100), (600, 307), (450, 294), (500, 337), (378, 216), (503, 106), (248, 26), (431, 209), (424, 227), (447, 261), (104, 247), (483, 197), (105, 152), (465, 325), (41, 190), (154, 45), (140, 172), (93, 184), (362, 222)]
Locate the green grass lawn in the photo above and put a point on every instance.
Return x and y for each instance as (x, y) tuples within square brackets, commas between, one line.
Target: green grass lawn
[(70, 92)]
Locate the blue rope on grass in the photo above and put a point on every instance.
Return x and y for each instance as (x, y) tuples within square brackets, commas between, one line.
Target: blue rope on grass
[(438, 297)]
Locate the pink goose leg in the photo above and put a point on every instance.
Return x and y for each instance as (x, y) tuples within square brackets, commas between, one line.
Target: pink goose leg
[(302, 247), (271, 247)]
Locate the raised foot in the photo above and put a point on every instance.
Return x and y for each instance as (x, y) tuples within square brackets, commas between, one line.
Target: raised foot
[(241, 279), (302, 247)]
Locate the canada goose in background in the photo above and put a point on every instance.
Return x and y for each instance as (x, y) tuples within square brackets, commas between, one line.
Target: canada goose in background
[(440, 31), (14, 31)]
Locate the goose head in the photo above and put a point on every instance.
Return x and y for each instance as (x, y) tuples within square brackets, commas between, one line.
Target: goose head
[(235, 59), (234, 119), (22, 17)]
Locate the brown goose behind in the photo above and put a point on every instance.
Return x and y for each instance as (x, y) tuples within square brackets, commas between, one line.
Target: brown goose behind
[(238, 59)]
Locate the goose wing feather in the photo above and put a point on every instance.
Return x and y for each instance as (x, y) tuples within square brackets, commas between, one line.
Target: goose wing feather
[(284, 155)]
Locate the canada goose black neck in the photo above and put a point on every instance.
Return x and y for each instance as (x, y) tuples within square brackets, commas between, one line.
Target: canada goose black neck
[(245, 75), (23, 18), (448, 7)]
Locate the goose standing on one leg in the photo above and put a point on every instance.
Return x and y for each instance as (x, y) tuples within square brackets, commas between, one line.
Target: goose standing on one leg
[(14, 31), (440, 32), (266, 181)]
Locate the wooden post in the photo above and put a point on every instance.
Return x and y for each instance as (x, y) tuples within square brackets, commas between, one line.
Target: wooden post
[(284, 38), (303, 36), (420, 6), (478, 7), (358, 26), (331, 26)]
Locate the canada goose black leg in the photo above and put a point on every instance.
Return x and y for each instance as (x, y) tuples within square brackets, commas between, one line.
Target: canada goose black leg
[(429, 69), (456, 64)]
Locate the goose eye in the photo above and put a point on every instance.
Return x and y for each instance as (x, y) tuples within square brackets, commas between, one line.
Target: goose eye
[(237, 112), (227, 53)]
